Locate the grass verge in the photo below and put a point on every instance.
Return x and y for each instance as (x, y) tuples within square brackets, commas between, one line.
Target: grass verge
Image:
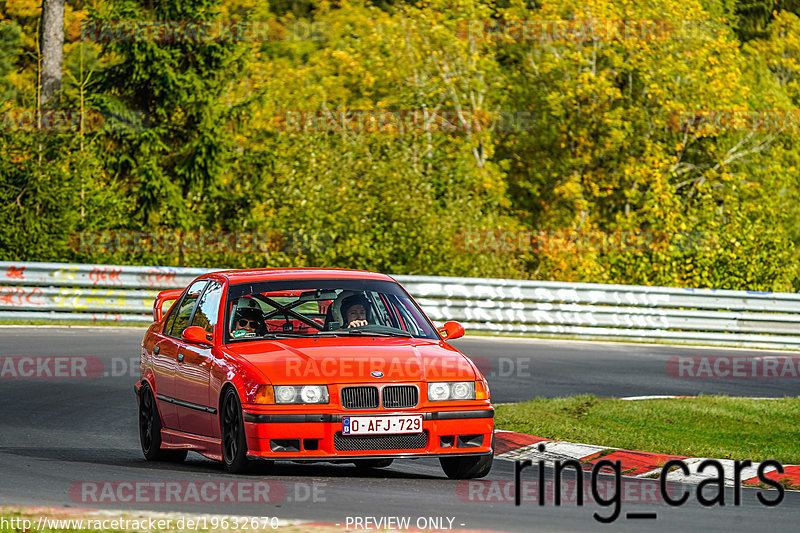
[(720, 427)]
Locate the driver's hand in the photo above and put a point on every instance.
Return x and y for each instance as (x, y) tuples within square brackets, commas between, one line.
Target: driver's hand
[(357, 323)]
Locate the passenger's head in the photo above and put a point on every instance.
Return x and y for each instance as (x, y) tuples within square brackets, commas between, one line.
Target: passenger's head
[(248, 319)]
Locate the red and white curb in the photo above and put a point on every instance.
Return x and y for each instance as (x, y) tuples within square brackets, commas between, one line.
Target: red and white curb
[(519, 447)]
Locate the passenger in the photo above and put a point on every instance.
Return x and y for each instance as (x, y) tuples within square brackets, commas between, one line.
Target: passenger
[(248, 322), (354, 311)]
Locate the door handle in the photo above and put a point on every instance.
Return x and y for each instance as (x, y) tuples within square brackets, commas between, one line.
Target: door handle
[(180, 358)]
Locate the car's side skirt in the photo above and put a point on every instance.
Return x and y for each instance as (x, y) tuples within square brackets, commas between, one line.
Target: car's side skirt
[(177, 440)]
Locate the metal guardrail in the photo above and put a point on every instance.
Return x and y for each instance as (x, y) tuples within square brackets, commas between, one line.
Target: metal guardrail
[(101, 293), (85, 293)]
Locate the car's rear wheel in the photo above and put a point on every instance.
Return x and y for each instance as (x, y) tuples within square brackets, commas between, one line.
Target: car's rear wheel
[(373, 463), (150, 430), (234, 442), (467, 467)]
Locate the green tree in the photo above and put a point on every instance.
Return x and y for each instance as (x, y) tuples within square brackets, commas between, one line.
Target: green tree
[(174, 162)]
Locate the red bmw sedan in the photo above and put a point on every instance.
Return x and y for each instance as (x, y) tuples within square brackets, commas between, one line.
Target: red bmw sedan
[(308, 365)]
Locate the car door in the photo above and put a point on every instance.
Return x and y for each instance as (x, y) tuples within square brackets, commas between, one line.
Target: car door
[(196, 414), (166, 354), (162, 357)]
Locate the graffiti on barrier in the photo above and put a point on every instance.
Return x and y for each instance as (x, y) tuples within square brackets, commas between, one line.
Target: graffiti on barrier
[(157, 277), (15, 272), (107, 275), (17, 296)]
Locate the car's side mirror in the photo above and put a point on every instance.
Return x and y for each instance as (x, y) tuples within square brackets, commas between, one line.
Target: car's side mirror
[(451, 330), (197, 335)]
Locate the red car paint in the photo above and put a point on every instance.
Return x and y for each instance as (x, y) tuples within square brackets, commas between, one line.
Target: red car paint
[(188, 380)]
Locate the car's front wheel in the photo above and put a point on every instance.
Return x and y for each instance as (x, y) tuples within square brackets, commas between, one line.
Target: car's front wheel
[(234, 442), (150, 430), (467, 467)]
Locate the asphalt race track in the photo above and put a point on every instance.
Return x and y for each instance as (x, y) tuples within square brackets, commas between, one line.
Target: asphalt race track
[(59, 433)]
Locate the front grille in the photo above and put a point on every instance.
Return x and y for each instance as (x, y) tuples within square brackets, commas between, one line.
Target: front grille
[(352, 443), (360, 397), (399, 396)]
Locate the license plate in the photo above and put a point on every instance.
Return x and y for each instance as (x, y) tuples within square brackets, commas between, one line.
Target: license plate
[(381, 425)]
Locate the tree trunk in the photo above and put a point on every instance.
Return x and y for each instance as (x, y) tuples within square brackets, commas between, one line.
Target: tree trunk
[(52, 43)]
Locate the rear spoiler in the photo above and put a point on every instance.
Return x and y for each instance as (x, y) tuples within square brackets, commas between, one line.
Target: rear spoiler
[(164, 296)]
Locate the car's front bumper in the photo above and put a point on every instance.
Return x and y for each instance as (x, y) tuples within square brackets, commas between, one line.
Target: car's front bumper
[(318, 436)]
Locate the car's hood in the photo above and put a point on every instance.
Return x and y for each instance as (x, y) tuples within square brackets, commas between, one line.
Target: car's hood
[(353, 360)]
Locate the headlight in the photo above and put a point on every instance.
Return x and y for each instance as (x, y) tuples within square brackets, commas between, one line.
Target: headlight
[(451, 390), (285, 394), (312, 394), (438, 391), (301, 394)]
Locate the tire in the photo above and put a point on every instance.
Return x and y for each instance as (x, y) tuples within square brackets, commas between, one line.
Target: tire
[(234, 442), (373, 463), (467, 467), (150, 430)]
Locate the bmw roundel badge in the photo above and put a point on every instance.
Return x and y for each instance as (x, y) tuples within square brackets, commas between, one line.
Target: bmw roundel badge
[(376, 374)]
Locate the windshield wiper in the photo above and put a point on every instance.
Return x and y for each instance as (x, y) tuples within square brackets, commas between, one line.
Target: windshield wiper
[(283, 334), (355, 332), (368, 333)]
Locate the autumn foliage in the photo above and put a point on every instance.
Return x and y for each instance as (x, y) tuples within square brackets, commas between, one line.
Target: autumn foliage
[(604, 141)]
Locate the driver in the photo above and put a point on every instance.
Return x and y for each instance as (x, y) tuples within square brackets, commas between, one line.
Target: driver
[(247, 322), (354, 311)]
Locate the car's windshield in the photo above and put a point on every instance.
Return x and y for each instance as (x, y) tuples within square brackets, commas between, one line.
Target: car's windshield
[(324, 308)]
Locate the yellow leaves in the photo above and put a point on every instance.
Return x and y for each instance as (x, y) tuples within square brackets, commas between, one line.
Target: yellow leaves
[(23, 8), (570, 189)]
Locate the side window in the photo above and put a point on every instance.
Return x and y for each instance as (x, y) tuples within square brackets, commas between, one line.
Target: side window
[(208, 307), (407, 318), (186, 306), (382, 316), (173, 310)]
